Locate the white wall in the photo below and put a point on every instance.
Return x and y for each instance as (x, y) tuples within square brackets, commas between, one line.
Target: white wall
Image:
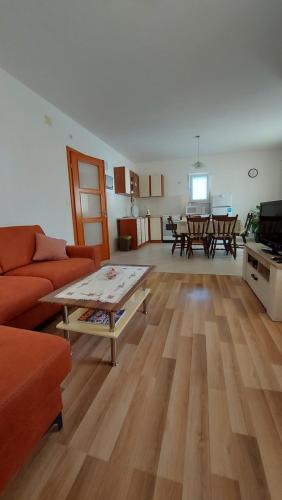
[(34, 186), (228, 173)]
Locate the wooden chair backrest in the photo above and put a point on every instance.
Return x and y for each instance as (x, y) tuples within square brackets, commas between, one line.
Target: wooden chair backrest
[(197, 226), (223, 225), (171, 225), (248, 222)]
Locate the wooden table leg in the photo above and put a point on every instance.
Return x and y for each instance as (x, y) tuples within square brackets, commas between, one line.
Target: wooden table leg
[(112, 321), (235, 246), (114, 352), (113, 341), (182, 244), (66, 320), (145, 306)]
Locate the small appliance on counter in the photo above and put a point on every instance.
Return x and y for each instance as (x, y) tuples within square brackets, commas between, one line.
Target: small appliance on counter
[(148, 213)]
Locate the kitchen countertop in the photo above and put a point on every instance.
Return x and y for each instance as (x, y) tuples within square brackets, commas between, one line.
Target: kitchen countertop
[(141, 216), (131, 218)]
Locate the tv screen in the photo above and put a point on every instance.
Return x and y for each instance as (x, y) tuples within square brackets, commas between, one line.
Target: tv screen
[(270, 224)]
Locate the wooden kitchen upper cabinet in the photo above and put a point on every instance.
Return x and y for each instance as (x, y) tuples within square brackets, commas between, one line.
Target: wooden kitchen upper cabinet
[(151, 185), (126, 182), (129, 183), (157, 185), (144, 186), (122, 180), (134, 184)]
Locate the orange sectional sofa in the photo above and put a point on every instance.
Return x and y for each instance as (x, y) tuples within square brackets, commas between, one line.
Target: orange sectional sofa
[(23, 282), (32, 367)]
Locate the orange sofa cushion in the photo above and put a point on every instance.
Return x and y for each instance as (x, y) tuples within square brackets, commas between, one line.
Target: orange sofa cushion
[(17, 246), (31, 318), (58, 272), (32, 367), (19, 294), (30, 359), (49, 248)]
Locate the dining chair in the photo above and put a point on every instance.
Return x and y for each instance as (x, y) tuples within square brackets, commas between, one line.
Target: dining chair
[(224, 234), (180, 240), (247, 226), (246, 230), (197, 234)]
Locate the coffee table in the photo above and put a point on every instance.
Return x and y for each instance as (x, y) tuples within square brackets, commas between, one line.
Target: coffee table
[(126, 291)]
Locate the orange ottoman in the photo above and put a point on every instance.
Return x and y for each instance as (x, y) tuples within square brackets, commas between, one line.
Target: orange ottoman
[(32, 367)]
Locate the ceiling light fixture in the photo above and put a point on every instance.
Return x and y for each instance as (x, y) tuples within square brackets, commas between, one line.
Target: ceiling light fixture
[(198, 163)]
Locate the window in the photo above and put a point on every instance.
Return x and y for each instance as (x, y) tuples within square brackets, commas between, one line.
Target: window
[(199, 187)]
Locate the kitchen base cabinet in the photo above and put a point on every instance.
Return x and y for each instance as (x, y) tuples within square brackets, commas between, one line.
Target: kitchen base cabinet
[(147, 232), (139, 231), (156, 229), (137, 228)]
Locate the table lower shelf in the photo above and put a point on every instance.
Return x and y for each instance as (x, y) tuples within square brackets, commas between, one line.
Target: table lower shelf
[(130, 307)]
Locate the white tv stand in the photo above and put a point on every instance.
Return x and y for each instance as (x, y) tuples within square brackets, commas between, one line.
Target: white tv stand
[(264, 276)]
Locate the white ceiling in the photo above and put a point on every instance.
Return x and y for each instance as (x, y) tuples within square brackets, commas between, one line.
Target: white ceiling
[(148, 75)]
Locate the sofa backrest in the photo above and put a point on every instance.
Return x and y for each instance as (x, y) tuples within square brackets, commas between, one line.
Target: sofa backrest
[(17, 246)]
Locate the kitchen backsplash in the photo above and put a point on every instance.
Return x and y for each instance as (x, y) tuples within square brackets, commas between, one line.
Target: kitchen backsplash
[(160, 206)]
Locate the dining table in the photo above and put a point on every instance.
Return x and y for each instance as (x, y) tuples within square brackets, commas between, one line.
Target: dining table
[(181, 228)]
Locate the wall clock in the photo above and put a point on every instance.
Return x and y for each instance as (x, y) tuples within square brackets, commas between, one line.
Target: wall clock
[(253, 172)]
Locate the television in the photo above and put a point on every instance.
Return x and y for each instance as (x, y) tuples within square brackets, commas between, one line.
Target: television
[(270, 225)]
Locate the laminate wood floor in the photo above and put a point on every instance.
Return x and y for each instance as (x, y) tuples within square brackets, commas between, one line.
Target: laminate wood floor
[(159, 255), (193, 411)]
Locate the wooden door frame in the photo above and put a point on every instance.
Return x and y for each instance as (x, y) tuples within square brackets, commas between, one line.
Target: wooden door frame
[(84, 158), (73, 211)]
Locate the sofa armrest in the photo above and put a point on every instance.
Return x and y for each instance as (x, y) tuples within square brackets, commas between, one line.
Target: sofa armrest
[(86, 252)]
